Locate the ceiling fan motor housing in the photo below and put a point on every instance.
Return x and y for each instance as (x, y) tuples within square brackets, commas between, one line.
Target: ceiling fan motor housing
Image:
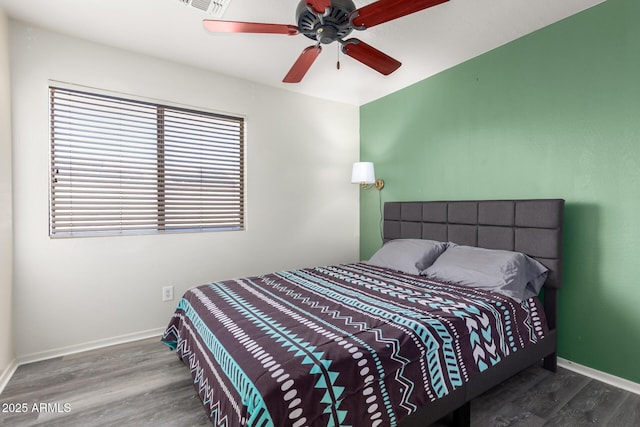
[(333, 26)]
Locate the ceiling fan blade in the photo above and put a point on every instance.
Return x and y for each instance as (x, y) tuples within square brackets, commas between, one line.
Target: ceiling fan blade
[(388, 10), (216, 26), (302, 64), (319, 5), (370, 56)]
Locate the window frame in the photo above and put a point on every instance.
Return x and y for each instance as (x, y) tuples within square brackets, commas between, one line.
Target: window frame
[(162, 226)]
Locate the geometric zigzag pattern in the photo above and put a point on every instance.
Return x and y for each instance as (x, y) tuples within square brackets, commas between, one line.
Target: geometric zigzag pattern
[(340, 345)]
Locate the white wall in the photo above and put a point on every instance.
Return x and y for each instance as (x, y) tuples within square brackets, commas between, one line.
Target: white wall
[(6, 257), (301, 208)]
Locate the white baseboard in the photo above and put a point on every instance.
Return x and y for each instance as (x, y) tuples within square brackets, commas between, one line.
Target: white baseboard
[(600, 376), (91, 345), (7, 374)]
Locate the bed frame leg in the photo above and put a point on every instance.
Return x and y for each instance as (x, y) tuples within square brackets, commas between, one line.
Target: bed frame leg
[(550, 363), (462, 416)]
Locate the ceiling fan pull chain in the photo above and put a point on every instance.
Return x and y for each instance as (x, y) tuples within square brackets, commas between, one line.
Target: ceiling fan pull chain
[(338, 56)]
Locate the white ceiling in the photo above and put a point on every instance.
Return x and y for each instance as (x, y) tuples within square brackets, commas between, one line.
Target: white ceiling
[(426, 42)]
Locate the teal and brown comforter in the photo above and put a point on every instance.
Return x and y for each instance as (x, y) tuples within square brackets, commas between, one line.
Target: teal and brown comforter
[(345, 345)]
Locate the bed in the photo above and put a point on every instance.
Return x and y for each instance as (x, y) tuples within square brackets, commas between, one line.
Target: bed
[(365, 344)]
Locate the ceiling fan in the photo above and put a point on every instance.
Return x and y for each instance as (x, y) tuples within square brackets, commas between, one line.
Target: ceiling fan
[(327, 21)]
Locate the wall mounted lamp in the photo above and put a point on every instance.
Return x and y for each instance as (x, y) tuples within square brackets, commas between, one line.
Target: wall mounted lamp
[(363, 174)]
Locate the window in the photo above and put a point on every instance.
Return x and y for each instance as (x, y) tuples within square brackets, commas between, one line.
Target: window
[(122, 166)]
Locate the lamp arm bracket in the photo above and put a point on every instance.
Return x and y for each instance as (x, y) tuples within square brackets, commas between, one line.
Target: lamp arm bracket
[(378, 185)]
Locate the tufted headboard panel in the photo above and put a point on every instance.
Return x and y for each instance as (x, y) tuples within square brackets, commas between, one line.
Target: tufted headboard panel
[(533, 227)]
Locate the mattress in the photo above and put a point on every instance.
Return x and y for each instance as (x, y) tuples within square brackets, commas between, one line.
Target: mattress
[(341, 345)]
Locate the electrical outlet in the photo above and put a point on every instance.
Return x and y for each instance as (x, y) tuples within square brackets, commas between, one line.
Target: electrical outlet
[(167, 293)]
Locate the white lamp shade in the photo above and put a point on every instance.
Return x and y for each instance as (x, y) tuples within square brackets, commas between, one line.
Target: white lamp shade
[(362, 172)]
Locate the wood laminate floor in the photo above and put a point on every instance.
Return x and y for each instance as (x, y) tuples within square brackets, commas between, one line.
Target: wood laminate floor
[(144, 384)]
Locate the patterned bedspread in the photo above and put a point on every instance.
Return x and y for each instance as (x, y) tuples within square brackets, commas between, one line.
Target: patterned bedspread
[(342, 345)]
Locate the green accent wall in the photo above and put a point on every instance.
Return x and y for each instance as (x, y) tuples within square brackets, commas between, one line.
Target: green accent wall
[(552, 114)]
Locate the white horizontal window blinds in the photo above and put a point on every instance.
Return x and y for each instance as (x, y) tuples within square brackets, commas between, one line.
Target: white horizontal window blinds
[(123, 166)]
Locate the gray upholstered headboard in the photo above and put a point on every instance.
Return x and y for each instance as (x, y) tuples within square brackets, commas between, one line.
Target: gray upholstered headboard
[(533, 227)]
